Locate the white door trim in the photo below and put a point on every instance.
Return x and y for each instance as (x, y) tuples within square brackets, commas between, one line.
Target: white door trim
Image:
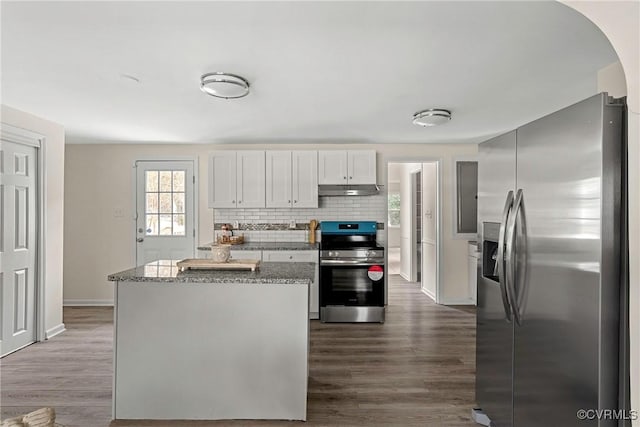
[(21, 136), (196, 195), (438, 161)]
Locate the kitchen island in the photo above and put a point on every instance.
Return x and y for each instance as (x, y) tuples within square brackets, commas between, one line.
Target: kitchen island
[(211, 345), (294, 252)]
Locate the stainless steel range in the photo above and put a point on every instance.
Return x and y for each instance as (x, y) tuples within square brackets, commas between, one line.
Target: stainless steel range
[(352, 272)]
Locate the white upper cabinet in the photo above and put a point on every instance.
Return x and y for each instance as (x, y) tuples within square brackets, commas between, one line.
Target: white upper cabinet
[(305, 179), (347, 167), (236, 179), (361, 166), (292, 179), (332, 167), (279, 179), (222, 179), (250, 179)]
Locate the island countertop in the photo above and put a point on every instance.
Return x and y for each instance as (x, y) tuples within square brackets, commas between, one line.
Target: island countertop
[(269, 246), (166, 271)]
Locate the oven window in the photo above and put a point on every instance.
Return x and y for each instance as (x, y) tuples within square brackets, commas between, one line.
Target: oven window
[(350, 280)]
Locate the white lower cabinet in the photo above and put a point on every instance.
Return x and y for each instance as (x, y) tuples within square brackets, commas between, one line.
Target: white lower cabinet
[(300, 256), (246, 255)]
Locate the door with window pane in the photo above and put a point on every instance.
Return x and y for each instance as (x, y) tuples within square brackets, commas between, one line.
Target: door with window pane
[(165, 226)]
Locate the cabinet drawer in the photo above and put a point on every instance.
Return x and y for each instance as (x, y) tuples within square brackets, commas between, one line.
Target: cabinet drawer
[(290, 256), (246, 254)]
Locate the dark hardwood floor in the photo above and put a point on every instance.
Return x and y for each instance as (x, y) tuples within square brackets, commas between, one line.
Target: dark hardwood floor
[(417, 369)]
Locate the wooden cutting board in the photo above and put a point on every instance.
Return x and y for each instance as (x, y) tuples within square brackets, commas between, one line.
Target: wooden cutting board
[(209, 264)]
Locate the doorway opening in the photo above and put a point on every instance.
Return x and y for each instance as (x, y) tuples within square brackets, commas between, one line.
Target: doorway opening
[(413, 224)]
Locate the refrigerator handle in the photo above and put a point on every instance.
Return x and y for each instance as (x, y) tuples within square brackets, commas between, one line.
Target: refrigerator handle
[(511, 258), (499, 269)]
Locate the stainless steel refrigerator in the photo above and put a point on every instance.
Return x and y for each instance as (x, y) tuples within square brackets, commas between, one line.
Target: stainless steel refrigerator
[(550, 268)]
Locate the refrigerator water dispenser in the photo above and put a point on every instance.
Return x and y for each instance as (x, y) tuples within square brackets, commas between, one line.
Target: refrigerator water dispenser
[(490, 232)]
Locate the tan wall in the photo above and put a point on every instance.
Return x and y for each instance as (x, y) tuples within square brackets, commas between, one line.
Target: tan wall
[(53, 150), (611, 79), (99, 179)]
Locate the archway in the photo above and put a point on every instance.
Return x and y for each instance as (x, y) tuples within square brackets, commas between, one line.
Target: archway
[(620, 22)]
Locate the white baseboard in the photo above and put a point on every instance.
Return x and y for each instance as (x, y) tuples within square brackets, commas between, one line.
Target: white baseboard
[(87, 302), (405, 276), (56, 330), (428, 293), (457, 301)]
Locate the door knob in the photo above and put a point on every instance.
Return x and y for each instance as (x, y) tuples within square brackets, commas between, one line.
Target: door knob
[(139, 240)]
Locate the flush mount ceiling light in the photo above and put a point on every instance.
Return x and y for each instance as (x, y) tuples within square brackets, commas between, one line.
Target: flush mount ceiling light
[(431, 117), (224, 85)]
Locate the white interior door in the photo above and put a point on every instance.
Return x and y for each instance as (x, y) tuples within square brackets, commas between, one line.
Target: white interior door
[(430, 228), (18, 191), (165, 220)]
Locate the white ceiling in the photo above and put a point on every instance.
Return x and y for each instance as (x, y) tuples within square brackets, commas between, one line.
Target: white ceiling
[(320, 71)]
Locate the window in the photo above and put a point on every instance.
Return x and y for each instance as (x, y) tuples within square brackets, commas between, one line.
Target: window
[(394, 209), (164, 202)]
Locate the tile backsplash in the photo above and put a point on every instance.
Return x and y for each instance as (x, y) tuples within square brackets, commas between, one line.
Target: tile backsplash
[(257, 224)]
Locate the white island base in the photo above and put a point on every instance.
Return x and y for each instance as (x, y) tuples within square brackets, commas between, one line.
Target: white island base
[(209, 351)]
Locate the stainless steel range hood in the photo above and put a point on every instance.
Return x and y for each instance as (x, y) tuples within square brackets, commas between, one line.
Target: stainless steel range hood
[(348, 190)]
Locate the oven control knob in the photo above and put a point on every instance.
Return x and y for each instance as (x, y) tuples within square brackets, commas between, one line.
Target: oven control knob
[(371, 254), (332, 253)]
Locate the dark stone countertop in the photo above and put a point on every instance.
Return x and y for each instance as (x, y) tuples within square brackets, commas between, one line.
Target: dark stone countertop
[(165, 271), (269, 246)]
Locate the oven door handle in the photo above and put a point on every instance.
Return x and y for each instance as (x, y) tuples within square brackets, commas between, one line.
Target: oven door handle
[(350, 262)]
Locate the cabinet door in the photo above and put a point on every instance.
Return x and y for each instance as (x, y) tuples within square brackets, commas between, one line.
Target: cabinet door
[(279, 179), (361, 166), (301, 256), (314, 295), (290, 256), (222, 179), (250, 176), (332, 167), (250, 255), (305, 179)]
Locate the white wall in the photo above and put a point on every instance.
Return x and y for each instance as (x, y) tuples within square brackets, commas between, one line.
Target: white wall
[(406, 220), (393, 185), (53, 149), (99, 179), (393, 233)]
